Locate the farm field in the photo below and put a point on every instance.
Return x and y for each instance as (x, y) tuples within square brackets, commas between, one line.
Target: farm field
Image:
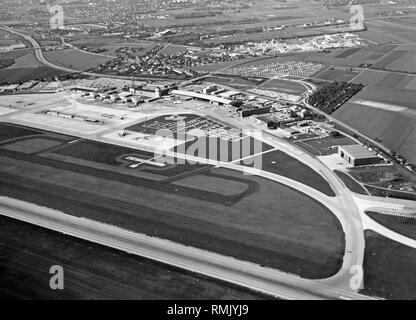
[(337, 75), (282, 164), (255, 222), (352, 57), (400, 59), (389, 268), (402, 225), (386, 108), (389, 31), (386, 114), (93, 271), (284, 86), (12, 75), (75, 59)]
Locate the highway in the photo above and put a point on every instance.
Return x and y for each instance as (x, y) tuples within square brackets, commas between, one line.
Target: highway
[(242, 273)]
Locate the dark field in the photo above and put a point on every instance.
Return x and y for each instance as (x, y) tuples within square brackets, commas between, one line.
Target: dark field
[(402, 225), (347, 53), (389, 268), (8, 132), (378, 192), (282, 164), (351, 183), (255, 220), (93, 271), (27, 74), (101, 152)]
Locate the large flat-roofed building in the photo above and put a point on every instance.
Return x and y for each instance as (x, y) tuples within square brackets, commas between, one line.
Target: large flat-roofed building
[(357, 155), (202, 96)]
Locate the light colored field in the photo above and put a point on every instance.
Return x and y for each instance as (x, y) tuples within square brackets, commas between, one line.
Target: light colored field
[(379, 105), (108, 115), (4, 110), (26, 101), (58, 124)]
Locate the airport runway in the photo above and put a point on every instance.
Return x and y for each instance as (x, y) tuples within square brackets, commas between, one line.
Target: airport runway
[(242, 273)]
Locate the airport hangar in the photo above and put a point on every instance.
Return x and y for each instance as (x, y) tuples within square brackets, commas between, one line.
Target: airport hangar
[(357, 155)]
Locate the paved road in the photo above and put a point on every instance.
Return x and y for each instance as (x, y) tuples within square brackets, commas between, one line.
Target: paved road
[(367, 203), (228, 269)]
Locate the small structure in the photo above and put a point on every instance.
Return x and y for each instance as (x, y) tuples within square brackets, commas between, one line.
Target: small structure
[(357, 155)]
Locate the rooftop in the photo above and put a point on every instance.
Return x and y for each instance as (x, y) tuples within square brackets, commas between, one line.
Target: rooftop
[(358, 151)]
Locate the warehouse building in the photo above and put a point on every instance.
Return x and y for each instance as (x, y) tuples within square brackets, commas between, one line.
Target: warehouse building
[(357, 155)]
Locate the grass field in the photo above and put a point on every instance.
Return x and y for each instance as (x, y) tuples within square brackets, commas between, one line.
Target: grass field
[(284, 86), (398, 60), (101, 152), (261, 221), (337, 75), (8, 131), (93, 271), (351, 183), (282, 164), (389, 268), (13, 75), (75, 59), (352, 57), (394, 126), (386, 110), (26, 61), (378, 192), (402, 225), (32, 145)]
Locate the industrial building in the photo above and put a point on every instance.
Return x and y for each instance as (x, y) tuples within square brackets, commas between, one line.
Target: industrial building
[(201, 96), (247, 111), (357, 155)]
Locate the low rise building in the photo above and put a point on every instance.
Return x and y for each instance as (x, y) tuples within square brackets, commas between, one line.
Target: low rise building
[(357, 155)]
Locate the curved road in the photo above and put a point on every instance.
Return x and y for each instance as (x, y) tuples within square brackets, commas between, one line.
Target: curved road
[(242, 273)]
